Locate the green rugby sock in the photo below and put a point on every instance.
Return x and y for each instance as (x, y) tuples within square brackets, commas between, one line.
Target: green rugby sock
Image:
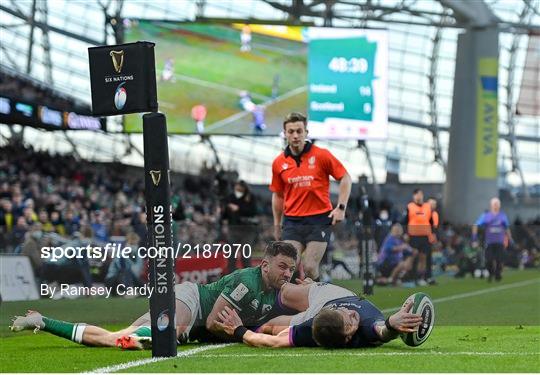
[(143, 331), (67, 330)]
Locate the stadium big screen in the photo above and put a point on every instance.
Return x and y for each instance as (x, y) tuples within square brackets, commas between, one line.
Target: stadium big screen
[(241, 79)]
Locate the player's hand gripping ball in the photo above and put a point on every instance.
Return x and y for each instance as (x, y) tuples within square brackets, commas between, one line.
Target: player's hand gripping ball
[(423, 306)]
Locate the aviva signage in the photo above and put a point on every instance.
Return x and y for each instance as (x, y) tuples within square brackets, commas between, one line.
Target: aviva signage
[(487, 130)]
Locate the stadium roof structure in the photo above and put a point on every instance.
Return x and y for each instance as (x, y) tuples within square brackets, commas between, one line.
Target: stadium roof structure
[(47, 40)]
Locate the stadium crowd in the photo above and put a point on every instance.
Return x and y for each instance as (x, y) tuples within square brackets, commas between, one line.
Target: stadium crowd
[(57, 200)]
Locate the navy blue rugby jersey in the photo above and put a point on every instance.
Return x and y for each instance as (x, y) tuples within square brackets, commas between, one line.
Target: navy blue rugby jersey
[(365, 336)]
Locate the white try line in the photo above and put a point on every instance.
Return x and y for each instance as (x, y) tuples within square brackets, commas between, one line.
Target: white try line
[(475, 293), (361, 354), (141, 362)]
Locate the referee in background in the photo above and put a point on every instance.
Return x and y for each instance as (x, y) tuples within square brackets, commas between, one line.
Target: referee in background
[(301, 195)]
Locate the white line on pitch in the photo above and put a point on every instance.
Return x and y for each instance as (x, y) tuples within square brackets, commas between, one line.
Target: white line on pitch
[(213, 85), (167, 104), (358, 354), (239, 115), (141, 362), (475, 293)]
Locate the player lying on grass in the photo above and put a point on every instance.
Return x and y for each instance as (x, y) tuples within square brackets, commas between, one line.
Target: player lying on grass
[(252, 291), (332, 317)]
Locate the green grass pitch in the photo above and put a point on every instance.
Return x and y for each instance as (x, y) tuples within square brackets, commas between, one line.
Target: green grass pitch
[(480, 327), (211, 70)]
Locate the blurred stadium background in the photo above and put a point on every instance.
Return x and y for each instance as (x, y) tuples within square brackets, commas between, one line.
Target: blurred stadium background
[(67, 179)]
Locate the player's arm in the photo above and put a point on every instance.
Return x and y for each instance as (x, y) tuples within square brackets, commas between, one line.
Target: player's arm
[(474, 237), (277, 187), (212, 320), (264, 340), (345, 185), (275, 325), (474, 230), (334, 168), (230, 322), (277, 212), (509, 235), (399, 248)]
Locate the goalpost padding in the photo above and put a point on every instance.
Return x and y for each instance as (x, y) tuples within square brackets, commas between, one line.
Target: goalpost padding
[(158, 210)]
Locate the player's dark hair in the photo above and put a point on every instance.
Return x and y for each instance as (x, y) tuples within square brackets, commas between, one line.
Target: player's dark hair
[(294, 117), (275, 248), (416, 191), (329, 329)]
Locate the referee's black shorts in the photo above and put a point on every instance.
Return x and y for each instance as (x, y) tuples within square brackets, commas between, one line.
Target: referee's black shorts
[(421, 243), (304, 229)]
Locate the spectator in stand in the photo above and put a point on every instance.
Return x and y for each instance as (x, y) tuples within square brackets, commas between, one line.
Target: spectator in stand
[(72, 223), (58, 223), (67, 270), (29, 214), (19, 231), (98, 226), (43, 218), (7, 216), (239, 218), (139, 227), (31, 247), (17, 204), (5, 191), (126, 271)]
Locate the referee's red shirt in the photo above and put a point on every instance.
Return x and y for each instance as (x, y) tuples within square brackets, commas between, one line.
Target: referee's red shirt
[(305, 182)]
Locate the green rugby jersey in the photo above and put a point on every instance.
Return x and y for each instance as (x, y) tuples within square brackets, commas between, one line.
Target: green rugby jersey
[(243, 289)]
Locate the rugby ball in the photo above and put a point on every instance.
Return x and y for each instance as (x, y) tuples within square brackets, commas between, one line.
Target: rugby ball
[(120, 96), (422, 305)]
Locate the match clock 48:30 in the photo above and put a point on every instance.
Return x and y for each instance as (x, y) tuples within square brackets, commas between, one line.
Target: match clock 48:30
[(352, 65)]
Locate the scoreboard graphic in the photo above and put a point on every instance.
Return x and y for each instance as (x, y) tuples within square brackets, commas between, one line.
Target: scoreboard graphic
[(347, 83)]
